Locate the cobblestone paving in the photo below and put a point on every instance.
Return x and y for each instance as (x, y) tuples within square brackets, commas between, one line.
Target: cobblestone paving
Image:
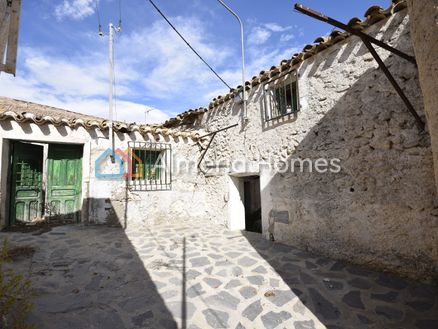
[(200, 275)]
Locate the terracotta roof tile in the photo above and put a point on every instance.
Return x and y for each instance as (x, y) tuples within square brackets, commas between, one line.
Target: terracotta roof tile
[(21, 111)]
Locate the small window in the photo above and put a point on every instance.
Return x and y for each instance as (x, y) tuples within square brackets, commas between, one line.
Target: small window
[(281, 97), (146, 164), (150, 166)]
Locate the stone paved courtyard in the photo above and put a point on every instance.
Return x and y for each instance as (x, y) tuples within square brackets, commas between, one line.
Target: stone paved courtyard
[(200, 275)]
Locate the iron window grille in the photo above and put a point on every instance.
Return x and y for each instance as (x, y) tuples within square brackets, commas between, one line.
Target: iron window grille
[(150, 166), (281, 96)]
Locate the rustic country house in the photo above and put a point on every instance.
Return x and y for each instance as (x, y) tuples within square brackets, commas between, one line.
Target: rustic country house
[(327, 158)]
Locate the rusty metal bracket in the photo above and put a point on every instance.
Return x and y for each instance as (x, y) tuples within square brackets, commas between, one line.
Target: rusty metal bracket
[(213, 135), (394, 83), (368, 41), (321, 17), (205, 150)]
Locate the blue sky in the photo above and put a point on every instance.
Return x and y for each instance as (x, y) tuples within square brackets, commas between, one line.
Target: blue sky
[(63, 62)]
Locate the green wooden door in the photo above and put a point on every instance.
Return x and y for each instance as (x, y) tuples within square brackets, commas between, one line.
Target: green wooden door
[(64, 181), (26, 189)]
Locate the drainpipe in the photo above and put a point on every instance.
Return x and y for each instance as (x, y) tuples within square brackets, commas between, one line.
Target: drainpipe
[(245, 118)]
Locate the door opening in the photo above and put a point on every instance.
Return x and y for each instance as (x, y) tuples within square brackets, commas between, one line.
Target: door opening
[(27, 194), (46, 182), (252, 204)]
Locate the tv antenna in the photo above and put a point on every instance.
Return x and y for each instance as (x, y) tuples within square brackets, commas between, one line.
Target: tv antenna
[(146, 112)]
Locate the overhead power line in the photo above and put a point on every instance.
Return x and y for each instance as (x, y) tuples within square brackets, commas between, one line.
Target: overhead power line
[(96, 3), (188, 44), (120, 13)]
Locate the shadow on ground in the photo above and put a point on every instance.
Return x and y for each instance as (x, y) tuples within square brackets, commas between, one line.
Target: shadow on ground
[(196, 274), (346, 296), (90, 277)]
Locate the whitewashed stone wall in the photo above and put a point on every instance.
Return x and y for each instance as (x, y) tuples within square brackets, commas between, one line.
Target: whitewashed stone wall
[(108, 200), (381, 209)]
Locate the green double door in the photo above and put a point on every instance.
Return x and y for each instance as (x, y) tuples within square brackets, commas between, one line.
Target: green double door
[(52, 191)]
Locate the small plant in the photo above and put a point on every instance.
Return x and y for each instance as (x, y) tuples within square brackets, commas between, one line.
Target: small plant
[(15, 291)]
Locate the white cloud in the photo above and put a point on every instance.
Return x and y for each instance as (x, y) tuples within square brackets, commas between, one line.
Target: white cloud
[(258, 36), (171, 69), (31, 90), (274, 27), (74, 9), (287, 37), (153, 67), (76, 84)]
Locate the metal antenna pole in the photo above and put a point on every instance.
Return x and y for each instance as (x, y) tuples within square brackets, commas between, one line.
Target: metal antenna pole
[(243, 56), (111, 87)]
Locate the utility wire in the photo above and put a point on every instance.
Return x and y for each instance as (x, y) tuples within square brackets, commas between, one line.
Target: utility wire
[(188, 44), (120, 13), (96, 3)]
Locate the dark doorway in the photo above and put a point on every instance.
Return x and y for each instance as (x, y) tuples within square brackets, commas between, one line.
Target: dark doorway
[(252, 204), (27, 179)]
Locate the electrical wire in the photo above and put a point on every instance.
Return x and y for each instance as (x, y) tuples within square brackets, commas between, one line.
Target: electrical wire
[(120, 14), (96, 3), (188, 44)]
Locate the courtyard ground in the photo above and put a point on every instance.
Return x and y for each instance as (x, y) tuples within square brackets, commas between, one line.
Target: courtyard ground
[(195, 274)]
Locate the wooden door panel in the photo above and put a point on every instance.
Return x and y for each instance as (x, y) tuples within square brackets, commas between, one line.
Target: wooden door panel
[(26, 184), (64, 181)]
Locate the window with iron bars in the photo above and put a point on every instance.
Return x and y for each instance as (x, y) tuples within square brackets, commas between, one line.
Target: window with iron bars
[(281, 97), (151, 166)]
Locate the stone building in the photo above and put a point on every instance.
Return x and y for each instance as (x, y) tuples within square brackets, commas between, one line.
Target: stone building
[(326, 158), (380, 209), (56, 163)]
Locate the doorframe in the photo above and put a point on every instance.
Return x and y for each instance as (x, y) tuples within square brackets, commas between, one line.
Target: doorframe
[(9, 150), (10, 180), (236, 200), (236, 206)]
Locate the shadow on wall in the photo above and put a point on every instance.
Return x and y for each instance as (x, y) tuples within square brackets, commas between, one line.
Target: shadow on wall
[(381, 203), (93, 276), (378, 211)]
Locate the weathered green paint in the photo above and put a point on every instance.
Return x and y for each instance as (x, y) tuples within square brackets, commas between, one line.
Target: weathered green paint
[(150, 167), (26, 184), (64, 181)]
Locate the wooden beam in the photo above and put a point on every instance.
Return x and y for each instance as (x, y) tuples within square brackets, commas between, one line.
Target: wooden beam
[(394, 83), (368, 41), (5, 15), (11, 55), (321, 17)]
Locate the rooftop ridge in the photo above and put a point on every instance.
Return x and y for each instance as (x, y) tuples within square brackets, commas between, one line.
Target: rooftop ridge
[(10, 110)]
